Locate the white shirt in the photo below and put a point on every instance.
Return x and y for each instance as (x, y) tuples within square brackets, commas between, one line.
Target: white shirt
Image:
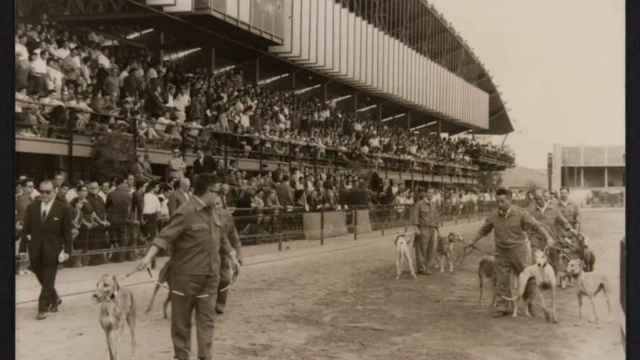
[(22, 52), (103, 196), (164, 207), (39, 66), (151, 204), (45, 207), (71, 194)]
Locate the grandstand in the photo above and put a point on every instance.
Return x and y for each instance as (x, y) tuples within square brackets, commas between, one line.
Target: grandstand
[(386, 85)]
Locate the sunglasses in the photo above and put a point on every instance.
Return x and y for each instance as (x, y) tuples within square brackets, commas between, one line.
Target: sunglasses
[(47, 192)]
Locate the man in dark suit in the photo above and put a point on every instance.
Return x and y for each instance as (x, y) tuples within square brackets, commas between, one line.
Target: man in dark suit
[(118, 206), (47, 226), (180, 195), (98, 234), (359, 196), (204, 163)]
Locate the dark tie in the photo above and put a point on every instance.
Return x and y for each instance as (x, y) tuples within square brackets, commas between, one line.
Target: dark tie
[(44, 215)]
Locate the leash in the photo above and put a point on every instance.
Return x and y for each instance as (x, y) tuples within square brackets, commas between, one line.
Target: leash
[(468, 250)]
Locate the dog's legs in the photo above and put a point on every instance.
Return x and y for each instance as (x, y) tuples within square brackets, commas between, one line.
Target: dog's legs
[(112, 344), (554, 318), (450, 261), (593, 307), (412, 269), (480, 282), (131, 321), (579, 306), (604, 287), (543, 303), (110, 355), (441, 261)]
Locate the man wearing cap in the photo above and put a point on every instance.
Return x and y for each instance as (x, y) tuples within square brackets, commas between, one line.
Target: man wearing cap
[(548, 214), (569, 209), (426, 219), (196, 237), (512, 248)]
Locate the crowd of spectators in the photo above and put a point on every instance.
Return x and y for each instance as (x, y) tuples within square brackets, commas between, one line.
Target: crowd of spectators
[(83, 81), (127, 212)]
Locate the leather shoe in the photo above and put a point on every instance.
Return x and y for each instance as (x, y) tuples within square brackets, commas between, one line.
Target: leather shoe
[(54, 308), (219, 310), (41, 316)]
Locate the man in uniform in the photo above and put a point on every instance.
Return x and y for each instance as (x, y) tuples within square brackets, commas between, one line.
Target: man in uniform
[(512, 248), (548, 214), (426, 219), (569, 209), (196, 238)]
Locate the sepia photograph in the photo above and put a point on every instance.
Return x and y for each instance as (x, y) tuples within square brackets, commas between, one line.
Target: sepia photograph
[(320, 179)]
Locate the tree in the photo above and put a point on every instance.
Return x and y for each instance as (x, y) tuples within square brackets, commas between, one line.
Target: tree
[(113, 154)]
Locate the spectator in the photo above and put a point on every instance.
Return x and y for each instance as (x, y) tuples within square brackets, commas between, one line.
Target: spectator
[(203, 163), (180, 195), (118, 206), (98, 234), (177, 166)]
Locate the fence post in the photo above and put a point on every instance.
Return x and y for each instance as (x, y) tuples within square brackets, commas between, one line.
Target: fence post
[(385, 216), (321, 225), (355, 223), (273, 230)]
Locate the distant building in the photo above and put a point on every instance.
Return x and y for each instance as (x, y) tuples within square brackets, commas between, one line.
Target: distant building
[(588, 167)]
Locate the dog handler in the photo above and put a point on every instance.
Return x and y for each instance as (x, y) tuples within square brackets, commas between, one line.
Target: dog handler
[(196, 237), (512, 248), (426, 219)]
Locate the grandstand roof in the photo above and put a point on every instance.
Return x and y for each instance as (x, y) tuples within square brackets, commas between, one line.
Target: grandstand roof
[(397, 18)]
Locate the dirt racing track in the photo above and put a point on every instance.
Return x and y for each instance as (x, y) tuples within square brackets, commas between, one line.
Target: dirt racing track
[(341, 301)]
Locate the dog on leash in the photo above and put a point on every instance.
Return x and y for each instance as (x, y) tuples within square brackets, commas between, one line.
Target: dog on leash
[(487, 273), (446, 247), (589, 284), (586, 254), (545, 278), (403, 244), (117, 307)]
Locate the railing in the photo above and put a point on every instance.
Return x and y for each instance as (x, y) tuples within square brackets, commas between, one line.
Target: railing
[(229, 145), (267, 225)]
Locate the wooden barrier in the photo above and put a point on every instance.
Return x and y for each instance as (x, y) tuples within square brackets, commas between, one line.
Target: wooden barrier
[(363, 223), (335, 224)]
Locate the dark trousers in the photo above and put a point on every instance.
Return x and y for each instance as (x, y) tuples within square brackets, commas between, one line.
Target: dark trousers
[(46, 275), (118, 237), (508, 262), (97, 241), (425, 246), (192, 293)]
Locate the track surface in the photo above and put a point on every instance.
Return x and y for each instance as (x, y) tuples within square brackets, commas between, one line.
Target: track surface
[(341, 301)]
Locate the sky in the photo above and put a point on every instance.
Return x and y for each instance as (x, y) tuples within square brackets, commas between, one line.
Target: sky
[(559, 66)]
